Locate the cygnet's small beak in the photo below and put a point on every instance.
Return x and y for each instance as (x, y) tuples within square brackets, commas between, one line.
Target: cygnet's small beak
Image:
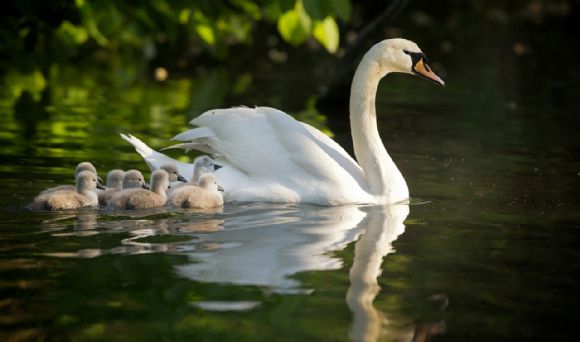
[(423, 70), (100, 186), (220, 188), (181, 179), (216, 167), (145, 186)]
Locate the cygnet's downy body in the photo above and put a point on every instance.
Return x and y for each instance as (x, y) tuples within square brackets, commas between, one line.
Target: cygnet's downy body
[(84, 195), (83, 166), (114, 184), (141, 198), (207, 195)]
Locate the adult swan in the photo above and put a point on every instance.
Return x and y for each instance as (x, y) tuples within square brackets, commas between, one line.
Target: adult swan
[(268, 156)]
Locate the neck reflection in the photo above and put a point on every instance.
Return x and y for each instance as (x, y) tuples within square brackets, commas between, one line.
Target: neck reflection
[(385, 224)]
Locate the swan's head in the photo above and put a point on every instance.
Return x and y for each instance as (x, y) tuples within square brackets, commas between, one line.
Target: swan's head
[(87, 180), (402, 55), (86, 166), (115, 179), (134, 179), (159, 180), (209, 182), (206, 164), (174, 175)]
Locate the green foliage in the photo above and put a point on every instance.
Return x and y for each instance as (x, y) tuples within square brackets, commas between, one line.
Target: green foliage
[(295, 25), (65, 30), (314, 18)]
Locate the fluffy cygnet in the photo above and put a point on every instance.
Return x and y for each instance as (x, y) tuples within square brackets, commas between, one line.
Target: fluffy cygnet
[(173, 173), (83, 196), (114, 184), (206, 195), (134, 180), (201, 166), (83, 166), (141, 198)]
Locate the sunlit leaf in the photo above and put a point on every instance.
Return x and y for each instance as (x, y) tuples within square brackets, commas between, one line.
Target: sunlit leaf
[(295, 25), (184, 15), (203, 28), (326, 32), (74, 34), (249, 8)]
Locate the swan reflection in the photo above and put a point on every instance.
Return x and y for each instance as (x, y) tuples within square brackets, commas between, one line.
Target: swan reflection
[(267, 246), (268, 251)]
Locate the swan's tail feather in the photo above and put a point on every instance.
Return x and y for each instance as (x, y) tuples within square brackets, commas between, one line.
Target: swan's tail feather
[(155, 159), (141, 148)]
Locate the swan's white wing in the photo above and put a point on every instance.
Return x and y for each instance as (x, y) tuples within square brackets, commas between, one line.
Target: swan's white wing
[(271, 147), (249, 137), (155, 159)]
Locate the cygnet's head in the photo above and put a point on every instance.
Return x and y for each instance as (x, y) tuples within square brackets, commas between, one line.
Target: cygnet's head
[(159, 180), (402, 55), (134, 179), (115, 179), (87, 180), (87, 166), (209, 182), (173, 173), (206, 164)]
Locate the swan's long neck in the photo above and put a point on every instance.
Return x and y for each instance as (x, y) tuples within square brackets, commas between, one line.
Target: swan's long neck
[(384, 179)]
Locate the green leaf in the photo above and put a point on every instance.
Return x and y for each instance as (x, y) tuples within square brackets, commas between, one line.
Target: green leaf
[(249, 8), (326, 32), (315, 8), (295, 25), (203, 28), (342, 9)]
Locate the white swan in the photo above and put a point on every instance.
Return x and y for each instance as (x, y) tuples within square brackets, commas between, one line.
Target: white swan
[(269, 156)]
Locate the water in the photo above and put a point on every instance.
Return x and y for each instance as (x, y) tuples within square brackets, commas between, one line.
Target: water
[(488, 250)]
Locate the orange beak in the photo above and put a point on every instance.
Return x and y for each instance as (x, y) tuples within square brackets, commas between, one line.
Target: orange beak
[(423, 70)]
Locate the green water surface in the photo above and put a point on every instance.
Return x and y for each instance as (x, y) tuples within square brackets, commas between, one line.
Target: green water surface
[(489, 249)]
